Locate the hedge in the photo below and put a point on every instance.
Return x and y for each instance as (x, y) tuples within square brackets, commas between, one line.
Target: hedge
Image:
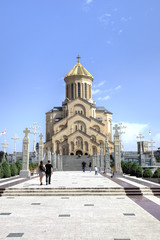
[(157, 173), (1, 171), (6, 169), (147, 173), (139, 171), (14, 169), (19, 166)]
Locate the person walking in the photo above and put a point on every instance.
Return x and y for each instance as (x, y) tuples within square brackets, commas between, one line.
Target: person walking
[(83, 166), (90, 166), (96, 170), (41, 170), (49, 171)]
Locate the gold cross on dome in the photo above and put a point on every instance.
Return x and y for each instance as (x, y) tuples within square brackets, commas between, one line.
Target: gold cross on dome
[(78, 58)]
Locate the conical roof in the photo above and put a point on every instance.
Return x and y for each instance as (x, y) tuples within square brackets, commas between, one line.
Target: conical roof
[(79, 70)]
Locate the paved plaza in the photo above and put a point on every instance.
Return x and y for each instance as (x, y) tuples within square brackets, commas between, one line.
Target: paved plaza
[(71, 216)]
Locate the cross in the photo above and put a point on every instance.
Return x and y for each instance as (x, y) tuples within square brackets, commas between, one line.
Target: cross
[(140, 136), (116, 128), (26, 131), (41, 136), (78, 58)]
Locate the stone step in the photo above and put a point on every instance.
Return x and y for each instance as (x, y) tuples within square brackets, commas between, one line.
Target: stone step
[(77, 191)]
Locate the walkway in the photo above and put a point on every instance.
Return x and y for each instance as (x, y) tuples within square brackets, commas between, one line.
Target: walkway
[(78, 217)]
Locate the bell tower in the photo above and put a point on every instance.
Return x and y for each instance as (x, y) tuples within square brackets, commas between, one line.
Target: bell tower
[(79, 83)]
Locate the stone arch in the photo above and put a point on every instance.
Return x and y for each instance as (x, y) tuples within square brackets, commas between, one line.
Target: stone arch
[(79, 142), (79, 152), (57, 147), (79, 108), (97, 128), (80, 125), (61, 127), (65, 137), (72, 146), (86, 146), (93, 138), (94, 150)]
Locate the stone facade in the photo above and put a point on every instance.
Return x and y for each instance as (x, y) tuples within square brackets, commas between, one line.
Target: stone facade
[(78, 126)]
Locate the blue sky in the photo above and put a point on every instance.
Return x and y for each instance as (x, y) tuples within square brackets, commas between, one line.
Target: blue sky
[(119, 44)]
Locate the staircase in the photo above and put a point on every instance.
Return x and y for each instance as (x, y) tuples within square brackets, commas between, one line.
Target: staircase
[(79, 191), (73, 163)]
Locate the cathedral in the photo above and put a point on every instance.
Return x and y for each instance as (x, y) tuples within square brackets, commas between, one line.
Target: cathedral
[(78, 127)]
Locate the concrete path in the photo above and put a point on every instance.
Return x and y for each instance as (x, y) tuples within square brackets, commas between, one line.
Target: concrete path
[(76, 217)]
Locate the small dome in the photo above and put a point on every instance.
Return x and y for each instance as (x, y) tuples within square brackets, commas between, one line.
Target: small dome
[(79, 70)]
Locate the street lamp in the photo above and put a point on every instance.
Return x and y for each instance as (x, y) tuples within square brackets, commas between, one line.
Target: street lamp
[(34, 127), (5, 146)]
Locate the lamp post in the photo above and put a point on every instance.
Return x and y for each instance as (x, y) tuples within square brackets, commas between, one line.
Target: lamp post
[(34, 127), (121, 132), (140, 138), (152, 153), (15, 138), (5, 146)]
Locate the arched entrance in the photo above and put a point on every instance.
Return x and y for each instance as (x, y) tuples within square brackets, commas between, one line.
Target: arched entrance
[(79, 152)]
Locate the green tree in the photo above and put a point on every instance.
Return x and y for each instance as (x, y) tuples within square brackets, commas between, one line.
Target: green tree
[(127, 167), (134, 168), (157, 173), (147, 173), (19, 166), (14, 169), (139, 171), (6, 169), (1, 171), (1, 155)]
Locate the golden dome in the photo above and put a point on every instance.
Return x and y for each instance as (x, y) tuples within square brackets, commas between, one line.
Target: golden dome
[(78, 70)]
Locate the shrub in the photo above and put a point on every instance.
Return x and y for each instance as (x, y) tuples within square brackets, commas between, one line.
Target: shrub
[(19, 166), (147, 173), (126, 167), (14, 169), (6, 169), (1, 171), (134, 168), (139, 171), (157, 173)]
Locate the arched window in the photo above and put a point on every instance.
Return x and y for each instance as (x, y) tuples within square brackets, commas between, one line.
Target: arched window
[(72, 146), (89, 91), (85, 90), (86, 146), (79, 90), (72, 90), (67, 91), (76, 127)]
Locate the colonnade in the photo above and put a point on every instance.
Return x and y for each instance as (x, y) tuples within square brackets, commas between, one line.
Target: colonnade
[(82, 90)]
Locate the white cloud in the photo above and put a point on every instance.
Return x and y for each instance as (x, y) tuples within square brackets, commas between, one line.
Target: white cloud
[(103, 98), (89, 1), (129, 139), (106, 97), (123, 19), (95, 91), (118, 87), (105, 18), (101, 84)]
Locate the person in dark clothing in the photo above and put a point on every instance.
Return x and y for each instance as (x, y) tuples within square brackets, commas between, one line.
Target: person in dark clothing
[(90, 166), (49, 171), (83, 166)]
